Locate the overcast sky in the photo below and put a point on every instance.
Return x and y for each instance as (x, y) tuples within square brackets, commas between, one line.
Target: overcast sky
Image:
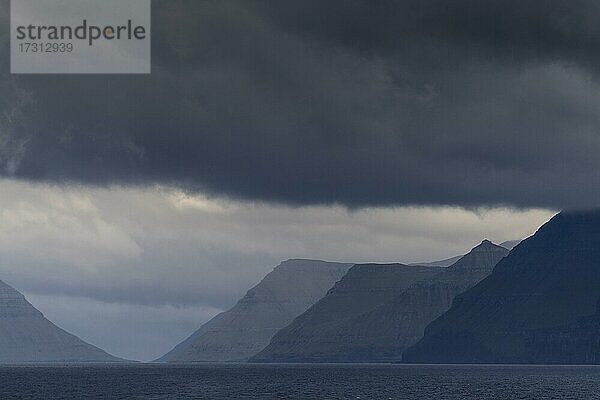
[(355, 130)]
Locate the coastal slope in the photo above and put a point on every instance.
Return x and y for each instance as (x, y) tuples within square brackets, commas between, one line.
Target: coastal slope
[(244, 330), (538, 306), (325, 333), (26, 336)]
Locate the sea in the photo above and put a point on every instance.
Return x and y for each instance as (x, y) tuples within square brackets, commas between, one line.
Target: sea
[(299, 381)]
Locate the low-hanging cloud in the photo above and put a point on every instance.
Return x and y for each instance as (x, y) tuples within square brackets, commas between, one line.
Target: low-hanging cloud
[(351, 102), (163, 247)]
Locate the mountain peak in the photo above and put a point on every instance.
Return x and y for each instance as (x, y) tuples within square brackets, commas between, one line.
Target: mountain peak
[(486, 246), (535, 307), (485, 254)]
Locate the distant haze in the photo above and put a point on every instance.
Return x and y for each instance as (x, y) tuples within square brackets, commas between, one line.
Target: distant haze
[(135, 271)]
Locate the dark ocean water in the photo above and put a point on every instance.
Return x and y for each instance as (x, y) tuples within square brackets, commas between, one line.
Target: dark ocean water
[(299, 382)]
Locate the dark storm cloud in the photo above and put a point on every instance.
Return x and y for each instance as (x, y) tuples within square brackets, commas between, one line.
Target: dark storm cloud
[(356, 102)]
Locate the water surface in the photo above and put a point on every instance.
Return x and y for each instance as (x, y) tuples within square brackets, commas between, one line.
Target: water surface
[(245, 381)]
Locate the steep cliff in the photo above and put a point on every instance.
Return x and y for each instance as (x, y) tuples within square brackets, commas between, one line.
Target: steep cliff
[(534, 308), (576, 343), (245, 329), (27, 337), (384, 333), (325, 332)]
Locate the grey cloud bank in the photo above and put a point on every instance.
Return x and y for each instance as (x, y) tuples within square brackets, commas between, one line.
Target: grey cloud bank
[(346, 102), (160, 246)]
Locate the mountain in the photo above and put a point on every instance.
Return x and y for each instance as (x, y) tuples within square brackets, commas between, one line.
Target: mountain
[(441, 263), (576, 343), (384, 333), (236, 335), (538, 306), (509, 245), (325, 332), (27, 337), (379, 331)]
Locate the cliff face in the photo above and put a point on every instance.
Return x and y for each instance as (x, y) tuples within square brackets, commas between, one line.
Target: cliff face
[(26, 336), (385, 333), (534, 308), (245, 329), (576, 343), (325, 332)]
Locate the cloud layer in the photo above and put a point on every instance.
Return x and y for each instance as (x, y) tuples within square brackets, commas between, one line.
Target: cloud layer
[(350, 102)]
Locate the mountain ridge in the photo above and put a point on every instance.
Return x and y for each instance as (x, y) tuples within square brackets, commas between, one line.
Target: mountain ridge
[(242, 331), (318, 334), (26, 336), (381, 332), (531, 302)]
